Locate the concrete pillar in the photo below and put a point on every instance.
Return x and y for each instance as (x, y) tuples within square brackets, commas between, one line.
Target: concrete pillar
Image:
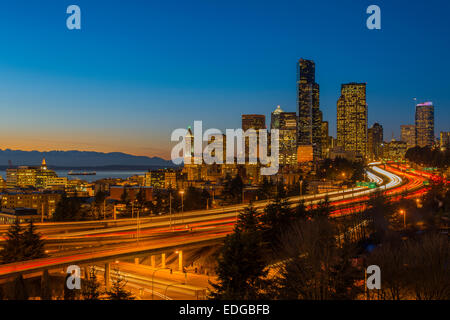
[(180, 260), (153, 261), (136, 260), (107, 276), (163, 260)]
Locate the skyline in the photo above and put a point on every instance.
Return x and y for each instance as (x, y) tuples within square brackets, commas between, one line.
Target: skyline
[(119, 84)]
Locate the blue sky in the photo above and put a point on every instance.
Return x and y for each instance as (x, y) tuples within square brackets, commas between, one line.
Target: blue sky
[(139, 69)]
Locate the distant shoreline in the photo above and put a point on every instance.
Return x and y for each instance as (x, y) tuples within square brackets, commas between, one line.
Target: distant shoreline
[(104, 168)]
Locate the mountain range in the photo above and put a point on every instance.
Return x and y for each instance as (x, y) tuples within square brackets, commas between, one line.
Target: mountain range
[(78, 159)]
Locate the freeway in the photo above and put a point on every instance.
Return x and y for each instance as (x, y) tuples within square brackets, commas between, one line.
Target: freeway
[(203, 228)]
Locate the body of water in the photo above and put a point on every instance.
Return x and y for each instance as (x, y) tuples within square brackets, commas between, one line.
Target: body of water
[(116, 174)]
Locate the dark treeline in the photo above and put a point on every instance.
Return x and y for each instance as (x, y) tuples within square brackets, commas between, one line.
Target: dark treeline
[(429, 157), (300, 253)]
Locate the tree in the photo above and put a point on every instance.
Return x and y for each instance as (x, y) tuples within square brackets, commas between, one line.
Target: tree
[(90, 289), (248, 220), (277, 216), (33, 245), (232, 190), (118, 291), (314, 266), (241, 268), (68, 209), (45, 288), (13, 246), (427, 267), (20, 291)]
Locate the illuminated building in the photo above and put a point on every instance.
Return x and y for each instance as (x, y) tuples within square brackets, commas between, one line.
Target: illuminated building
[(309, 115), (445, 140), (408, 135), (352, 118), (155, 178), (24, 176), (375, 141), (286, 123), (170, 179), (305, 154), (425, 124), (41, 201), (2, 184), (116, 192), (394, 150), (255, 122), (23, 215), (325, 140)]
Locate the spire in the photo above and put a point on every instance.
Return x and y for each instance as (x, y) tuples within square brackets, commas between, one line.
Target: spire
[(44, 164), (278, 110)]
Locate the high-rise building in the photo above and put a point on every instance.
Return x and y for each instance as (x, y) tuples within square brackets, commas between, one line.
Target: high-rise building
[(253, 121), (286, 123), (375, 141), (394, 150), (325, 144), (445, 140), (352, 118), (408, 135), (309, 115), (425, 124)]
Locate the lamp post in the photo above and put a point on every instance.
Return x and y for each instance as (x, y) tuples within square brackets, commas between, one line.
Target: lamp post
[(170, 209), (301, 188), (403, 212), (182, 205)]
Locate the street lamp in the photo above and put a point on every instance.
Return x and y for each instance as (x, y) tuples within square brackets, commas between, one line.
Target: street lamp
[(301, 188), (403, 212), (182, 205)]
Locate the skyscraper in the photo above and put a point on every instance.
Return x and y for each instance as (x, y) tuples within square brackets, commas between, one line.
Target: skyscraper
[(374, 141), (256, 122), (425, 124), (408, 135), (309, 115), (253, 121), (352, 118), (325, 145), (445, 140), (286, 123)]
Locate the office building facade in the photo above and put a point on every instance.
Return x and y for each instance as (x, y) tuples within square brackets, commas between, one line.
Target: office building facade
[(352, 118)]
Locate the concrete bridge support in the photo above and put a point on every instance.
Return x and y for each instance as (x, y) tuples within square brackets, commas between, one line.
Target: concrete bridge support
[(153, 261), (107, 276), (163, 260), (180, 260)]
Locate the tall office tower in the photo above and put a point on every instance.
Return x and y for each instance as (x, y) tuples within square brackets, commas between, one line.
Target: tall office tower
[(309, 114), (286, 123), (275, 118), (256, 122), (325, 140), (408, 135), (352, 118), (253, 121), (445, 140), (425, 124), (374, 141)]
